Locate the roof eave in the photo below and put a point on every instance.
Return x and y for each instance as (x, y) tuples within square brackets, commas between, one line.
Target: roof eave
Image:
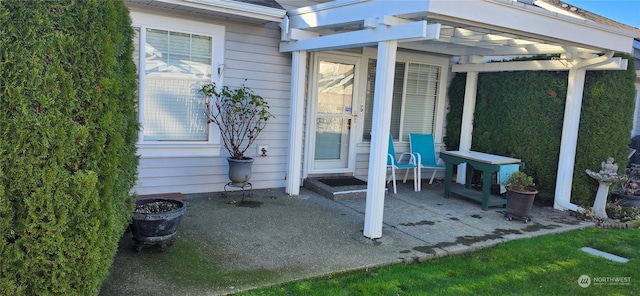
[(576, 30), (236, 8), (525, 20)]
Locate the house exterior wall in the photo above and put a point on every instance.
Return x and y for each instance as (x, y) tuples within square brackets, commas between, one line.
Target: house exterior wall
[(251, 54), (252, 57)]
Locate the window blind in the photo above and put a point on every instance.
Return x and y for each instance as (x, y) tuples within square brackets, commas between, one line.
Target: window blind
[(176, 66), (420, 99), (396, 109)]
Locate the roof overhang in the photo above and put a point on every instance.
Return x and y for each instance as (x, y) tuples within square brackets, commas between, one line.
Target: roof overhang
[(455, 28), (221, 8)]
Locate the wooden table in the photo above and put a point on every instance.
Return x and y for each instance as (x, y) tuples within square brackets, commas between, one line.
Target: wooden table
[(487, 163)]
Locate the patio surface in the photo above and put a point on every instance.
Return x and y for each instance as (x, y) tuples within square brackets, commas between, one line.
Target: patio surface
[(288, 238)]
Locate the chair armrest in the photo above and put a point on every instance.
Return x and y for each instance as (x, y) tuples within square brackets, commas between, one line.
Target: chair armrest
[(418, 157), (412, 158)]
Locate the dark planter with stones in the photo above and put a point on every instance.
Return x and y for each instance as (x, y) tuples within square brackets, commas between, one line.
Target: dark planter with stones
[(626, 200), (155, 222)]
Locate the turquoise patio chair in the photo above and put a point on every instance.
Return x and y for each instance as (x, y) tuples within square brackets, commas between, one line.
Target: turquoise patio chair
[(424, 150), (394, 163)]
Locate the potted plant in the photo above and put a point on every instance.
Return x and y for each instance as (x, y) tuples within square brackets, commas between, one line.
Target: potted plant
[(240, 115), (627, 194), (520, 195)]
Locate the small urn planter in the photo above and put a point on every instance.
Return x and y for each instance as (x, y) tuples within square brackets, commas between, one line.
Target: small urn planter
[(155, 222), (240, 171), (519, 204), (520, 195)]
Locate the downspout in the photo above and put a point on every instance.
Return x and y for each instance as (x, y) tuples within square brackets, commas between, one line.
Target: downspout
[(569, 140)]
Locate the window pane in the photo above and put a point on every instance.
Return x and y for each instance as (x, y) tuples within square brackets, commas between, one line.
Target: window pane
[(421, 94), (174, 111), (329, 135), (176, 66), (397, 100), (201, 46), (335, 88), (420, 98), (179, 44), (178, 53)]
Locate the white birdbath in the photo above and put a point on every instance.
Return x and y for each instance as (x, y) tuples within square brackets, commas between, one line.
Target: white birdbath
[(605, 177)]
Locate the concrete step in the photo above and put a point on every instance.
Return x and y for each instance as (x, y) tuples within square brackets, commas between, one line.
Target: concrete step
[(338, 191)]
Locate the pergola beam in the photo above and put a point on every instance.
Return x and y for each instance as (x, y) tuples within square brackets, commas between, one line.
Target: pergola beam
[(462, 50), (543, 65), (336, 12), (411, 31)]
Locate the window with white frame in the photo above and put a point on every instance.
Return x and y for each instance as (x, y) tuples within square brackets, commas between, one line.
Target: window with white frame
[(174, 66), (415, 92), (174, 57)]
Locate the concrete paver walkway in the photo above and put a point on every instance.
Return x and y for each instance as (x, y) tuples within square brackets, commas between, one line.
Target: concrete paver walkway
[(289, 238)]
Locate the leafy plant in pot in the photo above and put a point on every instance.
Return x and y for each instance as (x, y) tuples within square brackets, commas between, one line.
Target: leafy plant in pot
[(520, 195), (240, 115)]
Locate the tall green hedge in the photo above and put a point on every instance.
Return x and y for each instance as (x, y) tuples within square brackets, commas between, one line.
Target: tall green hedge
[(520, 114), (68, 130)]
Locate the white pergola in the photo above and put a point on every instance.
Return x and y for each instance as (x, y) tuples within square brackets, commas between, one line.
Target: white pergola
[(471, 30)]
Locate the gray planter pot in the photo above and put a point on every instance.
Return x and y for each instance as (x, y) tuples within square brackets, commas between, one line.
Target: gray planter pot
[(240, 170), (519, 204)]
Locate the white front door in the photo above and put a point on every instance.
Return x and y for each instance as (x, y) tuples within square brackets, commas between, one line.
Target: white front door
[(333, 92)]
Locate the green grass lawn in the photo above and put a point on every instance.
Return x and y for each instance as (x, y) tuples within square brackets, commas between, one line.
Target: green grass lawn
[(546, 265)]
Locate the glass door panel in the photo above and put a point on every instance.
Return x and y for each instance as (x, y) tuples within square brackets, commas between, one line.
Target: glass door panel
[(335, 89)]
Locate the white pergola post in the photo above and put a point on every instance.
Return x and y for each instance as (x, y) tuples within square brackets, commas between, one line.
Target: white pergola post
[(569, 140), (296, 121), (385, 69), (570, 127), (466, 130)]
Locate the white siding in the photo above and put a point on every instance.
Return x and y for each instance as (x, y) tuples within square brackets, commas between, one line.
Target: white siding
[(251, 53)]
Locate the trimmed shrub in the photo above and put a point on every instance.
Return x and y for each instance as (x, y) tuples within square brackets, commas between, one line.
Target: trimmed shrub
[(520, 114), (68, 129)]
